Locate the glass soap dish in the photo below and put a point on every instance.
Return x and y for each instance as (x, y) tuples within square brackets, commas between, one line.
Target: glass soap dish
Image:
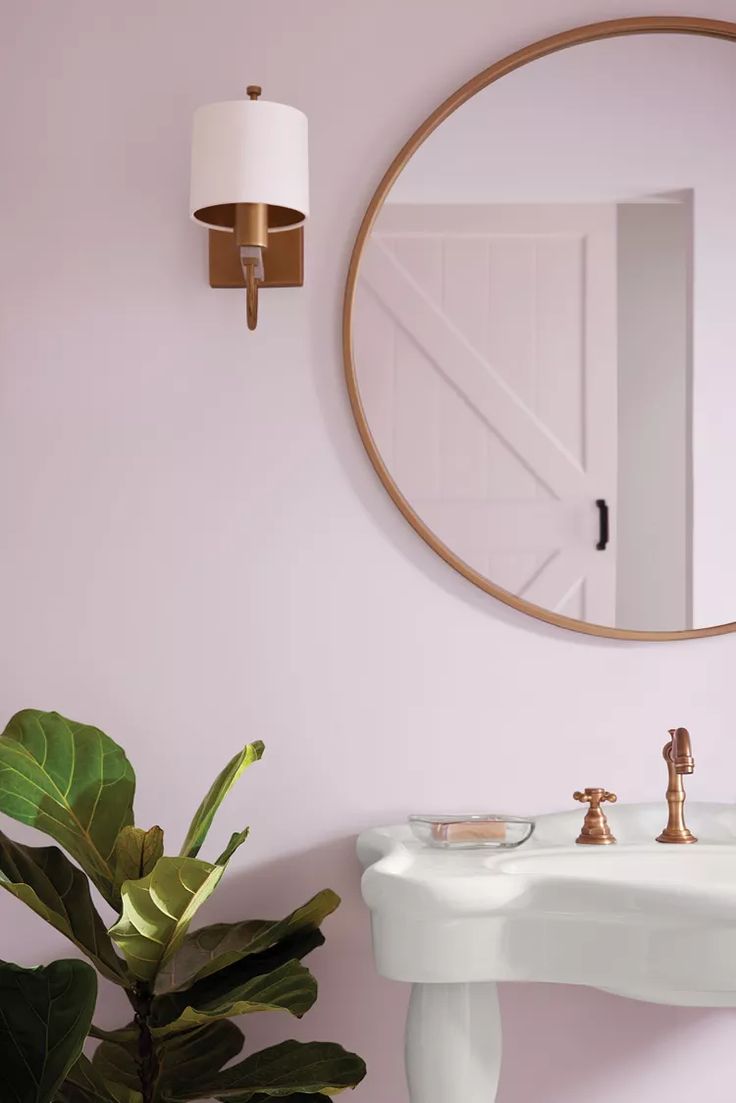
[(472, 831)]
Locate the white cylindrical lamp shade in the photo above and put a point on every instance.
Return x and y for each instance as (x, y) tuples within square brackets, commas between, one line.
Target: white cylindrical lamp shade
[(249, 151)]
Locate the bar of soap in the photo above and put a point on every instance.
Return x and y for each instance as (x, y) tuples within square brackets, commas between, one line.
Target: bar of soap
[(468, 831)]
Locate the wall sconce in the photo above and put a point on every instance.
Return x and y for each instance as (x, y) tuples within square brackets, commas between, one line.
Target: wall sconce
[(250, 177)]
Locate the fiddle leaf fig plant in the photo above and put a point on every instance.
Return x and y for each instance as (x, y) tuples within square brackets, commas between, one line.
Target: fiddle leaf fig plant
[(72, 782), (45, 1014)]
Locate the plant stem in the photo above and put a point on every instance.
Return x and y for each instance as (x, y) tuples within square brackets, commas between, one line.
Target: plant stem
[(141, 997)]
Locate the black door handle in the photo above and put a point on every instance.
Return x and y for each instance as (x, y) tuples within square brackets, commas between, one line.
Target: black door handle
[(603, 531)]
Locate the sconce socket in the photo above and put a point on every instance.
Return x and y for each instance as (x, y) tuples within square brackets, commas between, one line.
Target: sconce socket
[(251, 224)]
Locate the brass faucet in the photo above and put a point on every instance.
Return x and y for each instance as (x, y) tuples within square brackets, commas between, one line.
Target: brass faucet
[(678, 755), (596, 831)]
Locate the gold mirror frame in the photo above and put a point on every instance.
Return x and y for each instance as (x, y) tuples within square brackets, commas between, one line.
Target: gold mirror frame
[(713, 28)]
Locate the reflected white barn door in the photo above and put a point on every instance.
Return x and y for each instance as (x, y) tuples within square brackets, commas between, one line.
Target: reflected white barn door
[(488, 346)]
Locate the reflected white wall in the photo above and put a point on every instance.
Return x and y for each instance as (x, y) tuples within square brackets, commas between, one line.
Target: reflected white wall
[(654, 545)]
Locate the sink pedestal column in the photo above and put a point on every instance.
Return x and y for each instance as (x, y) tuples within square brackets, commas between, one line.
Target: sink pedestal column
[(453, 1043)]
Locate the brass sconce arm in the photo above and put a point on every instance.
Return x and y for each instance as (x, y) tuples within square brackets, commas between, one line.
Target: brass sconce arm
[(251, 293), (251, 238)]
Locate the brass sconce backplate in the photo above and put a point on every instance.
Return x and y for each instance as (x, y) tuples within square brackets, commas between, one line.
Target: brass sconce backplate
[(283, 260)]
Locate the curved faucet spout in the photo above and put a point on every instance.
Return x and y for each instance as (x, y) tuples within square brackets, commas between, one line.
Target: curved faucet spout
[(679, 751)]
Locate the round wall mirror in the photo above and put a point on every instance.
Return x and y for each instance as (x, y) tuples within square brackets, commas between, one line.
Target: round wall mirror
[(540, 329)]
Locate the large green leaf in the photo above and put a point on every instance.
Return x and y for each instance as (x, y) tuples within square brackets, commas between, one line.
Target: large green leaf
[(288, 1069), (182, 1058), (158, 909), (117, 1068), (45, 1014), (136, 853), (72, 782), (84, 1085), (272, 980), (219, 789), (44, 879), (215, 947), (201, 1052), (288, 988)]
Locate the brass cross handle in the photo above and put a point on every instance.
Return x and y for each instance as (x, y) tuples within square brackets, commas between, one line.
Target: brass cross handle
[(596, 831), (594, 796)]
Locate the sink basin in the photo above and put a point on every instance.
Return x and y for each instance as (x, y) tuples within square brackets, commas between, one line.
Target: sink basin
[(690, 870), (640, 919)]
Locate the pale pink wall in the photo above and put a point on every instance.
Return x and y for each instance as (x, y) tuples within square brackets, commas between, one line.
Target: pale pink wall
[(195, 550)]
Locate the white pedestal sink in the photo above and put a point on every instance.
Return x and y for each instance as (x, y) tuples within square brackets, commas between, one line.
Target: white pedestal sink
[(640, 919)]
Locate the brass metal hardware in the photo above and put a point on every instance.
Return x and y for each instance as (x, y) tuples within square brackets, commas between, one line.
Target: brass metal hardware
[(251, 224), (251, 293), (283, 260), (678, 755), (251, 238), (596, 831)]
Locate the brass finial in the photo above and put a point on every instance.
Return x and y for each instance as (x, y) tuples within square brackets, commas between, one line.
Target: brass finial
[(254, 91)]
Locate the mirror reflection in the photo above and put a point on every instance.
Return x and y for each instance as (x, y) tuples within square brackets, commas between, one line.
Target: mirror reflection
[(544, 332)]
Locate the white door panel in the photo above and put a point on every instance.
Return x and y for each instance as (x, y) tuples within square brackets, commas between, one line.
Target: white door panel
[(488, 375)]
